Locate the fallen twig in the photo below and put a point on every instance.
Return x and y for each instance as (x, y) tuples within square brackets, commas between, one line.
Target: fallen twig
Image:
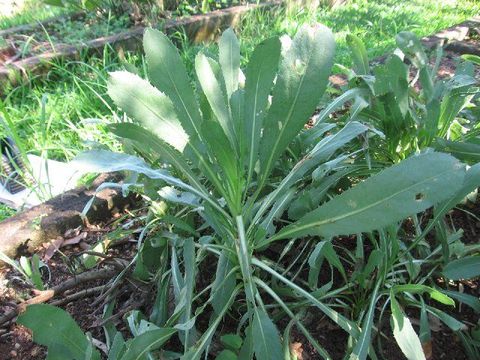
[(56, 290), (78, 295)]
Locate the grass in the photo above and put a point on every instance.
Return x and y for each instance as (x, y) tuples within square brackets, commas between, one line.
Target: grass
[(375, 22), (75, 92), (32, 11)]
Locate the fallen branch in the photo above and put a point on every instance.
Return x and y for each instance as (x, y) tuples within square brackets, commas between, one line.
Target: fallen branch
[(46, 295), (78, 295)]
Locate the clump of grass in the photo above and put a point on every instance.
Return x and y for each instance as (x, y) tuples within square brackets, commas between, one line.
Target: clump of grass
[(6, 212), (75, 99), (375, 22), (31, 11)]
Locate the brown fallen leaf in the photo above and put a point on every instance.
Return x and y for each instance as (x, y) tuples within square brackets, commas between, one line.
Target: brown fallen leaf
[(427, 350), (75, 240), (296, 350), (52, 248)]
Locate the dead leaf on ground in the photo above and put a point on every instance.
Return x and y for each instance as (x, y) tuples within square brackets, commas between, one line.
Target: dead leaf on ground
[(296, 350), (52, 248), (75, 240), (427, 350)]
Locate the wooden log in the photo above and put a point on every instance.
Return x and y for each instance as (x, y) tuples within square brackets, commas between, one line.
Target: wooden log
[(23, 232), (199, 28), (453, 34)]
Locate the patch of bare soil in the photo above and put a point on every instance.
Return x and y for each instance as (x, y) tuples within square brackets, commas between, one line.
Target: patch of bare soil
[(84, 300)]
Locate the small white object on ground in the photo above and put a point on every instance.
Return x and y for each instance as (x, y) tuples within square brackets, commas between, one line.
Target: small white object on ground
[(52, 178)]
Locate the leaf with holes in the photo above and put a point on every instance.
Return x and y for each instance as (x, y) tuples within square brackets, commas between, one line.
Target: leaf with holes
[(390, 196)]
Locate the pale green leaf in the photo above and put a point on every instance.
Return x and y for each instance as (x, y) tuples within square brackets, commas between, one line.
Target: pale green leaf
[(302, 79), (406, 338), (167, 72), (148, 106), (208, 76), (229, 57), (261, 71), (388, 197), (266, 344)]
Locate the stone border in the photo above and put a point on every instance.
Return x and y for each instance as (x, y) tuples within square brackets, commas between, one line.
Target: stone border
[(197, 27)]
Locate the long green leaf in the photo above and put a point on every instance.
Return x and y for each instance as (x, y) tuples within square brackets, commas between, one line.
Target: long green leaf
[(295, 320), (464, 268), (266, 343), (142, 344), (470, 183), (229, 57), (463, 150), (190, 274), (359, 54), (320, 153), (151, 144), (339, 319), (390, 196), (147, 105), (196, 351), (101, 161), (419, 289), (466, 299), (261, 71), (406, 338), (301, 81), (208, 76), (360, 350), (224, 283), (167, 72)]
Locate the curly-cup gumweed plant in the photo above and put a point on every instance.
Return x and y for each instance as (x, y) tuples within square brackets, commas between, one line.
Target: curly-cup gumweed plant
[(241, 201)]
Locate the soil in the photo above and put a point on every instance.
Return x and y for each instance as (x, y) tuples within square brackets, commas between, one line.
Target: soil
[(16, 341)]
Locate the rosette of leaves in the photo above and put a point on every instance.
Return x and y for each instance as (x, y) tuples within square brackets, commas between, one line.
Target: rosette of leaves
[(212, 152), (405, 99)]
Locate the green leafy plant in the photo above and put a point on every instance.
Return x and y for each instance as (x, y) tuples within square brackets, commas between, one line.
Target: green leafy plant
[(28, 268), (55, 328), (224, 152), (413, 111), (248, 200)]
